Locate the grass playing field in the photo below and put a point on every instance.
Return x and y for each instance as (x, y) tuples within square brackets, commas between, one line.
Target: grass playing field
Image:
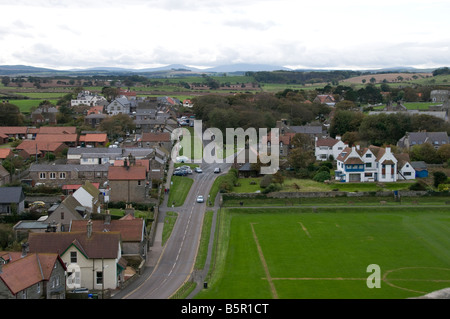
[(297, 253)]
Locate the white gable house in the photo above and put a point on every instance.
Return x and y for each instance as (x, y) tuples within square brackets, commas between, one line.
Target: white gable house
[(372, 164), (327, 147)]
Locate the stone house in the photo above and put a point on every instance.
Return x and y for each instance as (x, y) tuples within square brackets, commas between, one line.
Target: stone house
[(152, 140), (32, 276), (439, 95), (68, 210), (127, 183), (57, 175), (436, 139), (44, 115)]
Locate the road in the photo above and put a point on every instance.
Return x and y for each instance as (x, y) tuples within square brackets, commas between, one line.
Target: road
[(168, 267)]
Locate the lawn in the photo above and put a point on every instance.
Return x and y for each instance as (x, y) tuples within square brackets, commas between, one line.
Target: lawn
[(296, 254), (308, 185), (178, 190)]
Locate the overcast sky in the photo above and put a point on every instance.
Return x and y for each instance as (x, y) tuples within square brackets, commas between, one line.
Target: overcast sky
[(345, 34)]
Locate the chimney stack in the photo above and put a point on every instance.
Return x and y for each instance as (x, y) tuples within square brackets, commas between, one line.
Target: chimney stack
[(89, 228), (24, 249)]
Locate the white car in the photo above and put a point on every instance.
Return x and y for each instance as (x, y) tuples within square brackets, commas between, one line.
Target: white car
[(198, 170), (200, 199), (217, 170)]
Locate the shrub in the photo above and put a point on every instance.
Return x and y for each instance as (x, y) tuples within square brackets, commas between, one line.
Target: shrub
[(439, 178), (271, 188), (322, 176), (418, 186), (265, 181)]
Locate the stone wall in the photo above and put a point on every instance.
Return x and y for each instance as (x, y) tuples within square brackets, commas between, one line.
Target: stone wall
[(405, 193)]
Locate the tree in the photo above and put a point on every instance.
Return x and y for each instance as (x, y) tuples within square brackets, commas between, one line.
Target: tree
[(10, 115), (6, 80), (117, 125), (424, 152), (439, 178), (444, 152), (110, 93), (345, 121)]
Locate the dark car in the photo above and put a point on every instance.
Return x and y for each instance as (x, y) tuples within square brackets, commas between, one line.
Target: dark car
[(180, 172)]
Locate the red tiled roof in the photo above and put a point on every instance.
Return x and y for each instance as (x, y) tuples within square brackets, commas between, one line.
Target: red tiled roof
[(57, 130), (97, 137), (130, 230), (5, 152), (29, 270), (141, 162), (126, 173), (30, 146), (56, 137), (13, 130)]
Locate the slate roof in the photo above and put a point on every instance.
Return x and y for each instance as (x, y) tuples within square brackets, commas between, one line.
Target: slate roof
[(307, 129), (11, 195), (99, 245), (68, 168), (93, 150)]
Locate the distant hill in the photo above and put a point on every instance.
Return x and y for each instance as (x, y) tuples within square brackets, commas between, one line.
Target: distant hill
[(170, 70), (22, 69)]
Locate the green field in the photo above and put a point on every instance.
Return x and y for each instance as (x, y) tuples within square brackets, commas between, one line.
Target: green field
[(295, 253)]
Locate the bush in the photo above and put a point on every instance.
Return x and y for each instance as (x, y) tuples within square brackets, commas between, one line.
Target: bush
[(322, 176), (265, 181), (418, 186), (271, 188), (439, 178)]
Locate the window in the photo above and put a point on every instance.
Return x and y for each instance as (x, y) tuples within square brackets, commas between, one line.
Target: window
[(42, 175), (62, 215), (73, 257), (368, 165), (62, 175), (52, 175), (368, 155), (407, 173), (99, 277)]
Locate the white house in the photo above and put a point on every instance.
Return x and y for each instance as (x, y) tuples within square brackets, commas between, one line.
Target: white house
[(326, 147), (120, 105), (87, 98), (372, 164), (93, 259)]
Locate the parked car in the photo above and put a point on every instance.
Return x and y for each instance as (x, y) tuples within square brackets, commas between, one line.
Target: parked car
[(180, 172), (200, 199), (217, 170), (198, 170)]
